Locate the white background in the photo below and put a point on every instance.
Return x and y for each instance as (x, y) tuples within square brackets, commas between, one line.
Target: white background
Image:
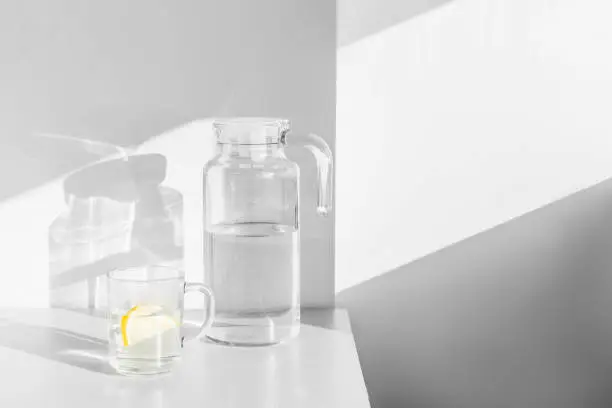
[(462, 118), (126, 72)]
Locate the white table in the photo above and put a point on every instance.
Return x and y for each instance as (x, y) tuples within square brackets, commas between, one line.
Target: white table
[(55, 358)]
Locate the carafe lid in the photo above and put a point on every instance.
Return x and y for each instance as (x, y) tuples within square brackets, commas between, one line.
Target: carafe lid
[(250, 131)]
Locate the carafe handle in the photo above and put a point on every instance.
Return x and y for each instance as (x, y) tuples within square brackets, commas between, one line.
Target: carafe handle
[(323, 155)]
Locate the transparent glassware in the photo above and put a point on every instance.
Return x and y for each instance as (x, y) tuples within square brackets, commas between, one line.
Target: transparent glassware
[(252, 224), (145, 317)]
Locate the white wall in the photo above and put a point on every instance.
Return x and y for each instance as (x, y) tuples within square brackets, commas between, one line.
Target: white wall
[(125, 72), (515, 317), (463, 118), (360, 18)]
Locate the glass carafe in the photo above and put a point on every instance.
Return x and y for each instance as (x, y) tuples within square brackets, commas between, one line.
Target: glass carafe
[(252, 224)]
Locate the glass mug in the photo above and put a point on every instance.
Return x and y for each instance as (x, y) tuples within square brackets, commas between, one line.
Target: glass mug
[(146, 306)]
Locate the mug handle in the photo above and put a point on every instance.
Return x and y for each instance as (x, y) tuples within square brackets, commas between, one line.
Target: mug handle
[(210, 304)]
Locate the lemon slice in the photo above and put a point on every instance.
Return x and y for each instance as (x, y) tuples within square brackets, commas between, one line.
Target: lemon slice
[(143, 322)]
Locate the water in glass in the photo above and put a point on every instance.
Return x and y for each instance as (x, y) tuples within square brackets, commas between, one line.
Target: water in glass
[(144, 339), (145, 314)]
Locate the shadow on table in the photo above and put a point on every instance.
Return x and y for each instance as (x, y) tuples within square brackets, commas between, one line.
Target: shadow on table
[(55, 344)]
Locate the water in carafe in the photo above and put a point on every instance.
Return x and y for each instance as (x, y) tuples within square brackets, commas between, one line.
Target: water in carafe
[(256, 282), (251, 228)]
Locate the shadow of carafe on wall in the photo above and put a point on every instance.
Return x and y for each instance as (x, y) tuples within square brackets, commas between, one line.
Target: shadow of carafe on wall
[(117, 214)]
